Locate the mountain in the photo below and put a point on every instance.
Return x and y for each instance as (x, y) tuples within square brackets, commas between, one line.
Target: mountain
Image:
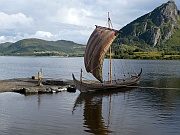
[(42, 47), (154, 30)]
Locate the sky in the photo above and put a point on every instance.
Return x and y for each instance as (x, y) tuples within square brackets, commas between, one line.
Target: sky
[(72, 20)]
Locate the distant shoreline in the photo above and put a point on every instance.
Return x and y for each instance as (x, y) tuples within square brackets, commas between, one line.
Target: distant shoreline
[(135, 55), (68, 55)]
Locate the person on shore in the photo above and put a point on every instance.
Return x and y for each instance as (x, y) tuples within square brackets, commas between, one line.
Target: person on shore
[(40, 78)]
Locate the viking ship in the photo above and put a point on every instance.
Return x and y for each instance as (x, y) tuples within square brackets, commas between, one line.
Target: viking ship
[(97, 46)]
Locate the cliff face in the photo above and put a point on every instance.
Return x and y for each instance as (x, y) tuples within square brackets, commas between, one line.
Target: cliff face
[(166, 13), (153, 28)]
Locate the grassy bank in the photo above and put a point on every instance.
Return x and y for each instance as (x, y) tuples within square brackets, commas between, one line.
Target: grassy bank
[(150, 55)]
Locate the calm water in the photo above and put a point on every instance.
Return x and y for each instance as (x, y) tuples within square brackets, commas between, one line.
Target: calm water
[(153, 108)]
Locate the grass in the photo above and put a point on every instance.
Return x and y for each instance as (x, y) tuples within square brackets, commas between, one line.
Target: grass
[(151, 55)]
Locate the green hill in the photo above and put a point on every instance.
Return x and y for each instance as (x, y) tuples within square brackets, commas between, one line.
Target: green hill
[(42, 47)]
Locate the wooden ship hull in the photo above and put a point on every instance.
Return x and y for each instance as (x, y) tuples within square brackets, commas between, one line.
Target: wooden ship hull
[(87, 86)]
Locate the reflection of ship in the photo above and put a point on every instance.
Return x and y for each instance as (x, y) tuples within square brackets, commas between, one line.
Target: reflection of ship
[(98, 44), (93, 115)]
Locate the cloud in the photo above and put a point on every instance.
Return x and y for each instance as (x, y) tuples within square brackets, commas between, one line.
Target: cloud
[(13, 26), (10, 21), (73, 15), (2, 38), (70, 20), (43, 34)]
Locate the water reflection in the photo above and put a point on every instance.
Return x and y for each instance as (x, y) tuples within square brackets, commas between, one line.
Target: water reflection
[(92, 103), (164, 93), (154, 109)]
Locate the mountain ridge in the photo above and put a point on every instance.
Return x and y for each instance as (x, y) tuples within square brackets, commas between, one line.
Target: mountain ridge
[(153, 29)]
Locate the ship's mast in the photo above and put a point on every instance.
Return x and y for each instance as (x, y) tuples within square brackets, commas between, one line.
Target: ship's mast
[(110, 68), (110, 53)]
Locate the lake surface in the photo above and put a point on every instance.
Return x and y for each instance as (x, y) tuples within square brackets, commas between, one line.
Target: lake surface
[(151, 108)]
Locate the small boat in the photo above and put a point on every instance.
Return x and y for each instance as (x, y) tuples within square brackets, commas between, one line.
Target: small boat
[(98, 45), (71, 89)]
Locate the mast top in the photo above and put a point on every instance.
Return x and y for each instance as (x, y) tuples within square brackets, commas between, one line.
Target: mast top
[(109, 20)]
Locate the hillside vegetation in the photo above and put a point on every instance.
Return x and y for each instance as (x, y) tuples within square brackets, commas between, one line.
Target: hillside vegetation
[(40, 47)]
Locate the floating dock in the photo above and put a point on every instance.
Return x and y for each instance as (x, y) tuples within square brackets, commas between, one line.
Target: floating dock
[(31, 85)]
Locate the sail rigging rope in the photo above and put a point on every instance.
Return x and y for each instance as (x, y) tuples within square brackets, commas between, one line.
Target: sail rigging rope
[(110, 24), (133, 68), (123, 68), (88, 75), (127, 70)]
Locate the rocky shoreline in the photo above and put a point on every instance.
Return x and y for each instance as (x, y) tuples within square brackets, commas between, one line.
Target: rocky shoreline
[(29, 85)]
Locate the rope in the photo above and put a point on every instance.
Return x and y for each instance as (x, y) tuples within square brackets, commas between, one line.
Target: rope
[(133, 68), (122, 67)]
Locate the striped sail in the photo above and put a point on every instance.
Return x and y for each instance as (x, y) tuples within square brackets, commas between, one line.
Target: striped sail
[(97, 46)]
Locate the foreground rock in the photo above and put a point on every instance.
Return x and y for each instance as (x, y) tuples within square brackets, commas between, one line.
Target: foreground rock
[(29, 85)]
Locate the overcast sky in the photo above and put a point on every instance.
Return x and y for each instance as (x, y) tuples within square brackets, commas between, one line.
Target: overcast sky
[(72, 20)]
